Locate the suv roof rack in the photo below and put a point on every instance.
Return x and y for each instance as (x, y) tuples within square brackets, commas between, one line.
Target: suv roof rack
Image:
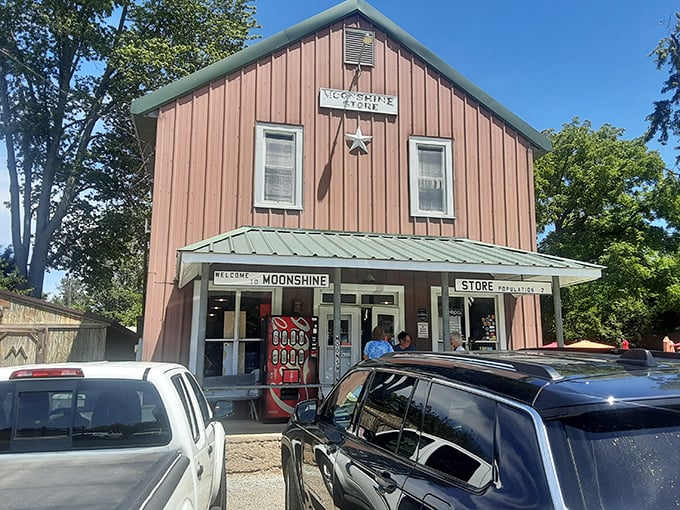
[(525, 367)]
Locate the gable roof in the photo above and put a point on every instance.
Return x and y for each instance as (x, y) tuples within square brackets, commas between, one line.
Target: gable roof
[(282, 247), (149, 103), (41, 304)]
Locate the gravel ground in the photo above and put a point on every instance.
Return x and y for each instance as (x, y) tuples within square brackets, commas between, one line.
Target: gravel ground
[(255, 491)]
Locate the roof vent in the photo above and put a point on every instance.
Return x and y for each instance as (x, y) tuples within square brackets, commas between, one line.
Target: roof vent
[(359, 47)]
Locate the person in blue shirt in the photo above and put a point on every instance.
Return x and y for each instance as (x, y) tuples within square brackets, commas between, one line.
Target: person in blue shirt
[(379, 344), (405, 342)]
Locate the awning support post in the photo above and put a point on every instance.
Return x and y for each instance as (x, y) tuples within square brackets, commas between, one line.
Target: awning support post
[(446, 326), (202, 314), (557, 304), (337, 293)]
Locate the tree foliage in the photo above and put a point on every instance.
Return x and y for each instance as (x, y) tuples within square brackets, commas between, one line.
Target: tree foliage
[(120, 300), (610, 201), (79, 194), (664, 121), (10, 279)]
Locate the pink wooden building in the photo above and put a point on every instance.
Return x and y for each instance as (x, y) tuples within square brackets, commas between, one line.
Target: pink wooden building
[(343, 148)]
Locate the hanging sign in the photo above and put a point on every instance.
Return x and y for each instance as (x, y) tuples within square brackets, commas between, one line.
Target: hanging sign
[(502, 287), (358, 101), (257, 279)]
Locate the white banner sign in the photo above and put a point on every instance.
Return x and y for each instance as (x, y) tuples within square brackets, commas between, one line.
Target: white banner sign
[(502, 286), (358, 101), (249, 278)]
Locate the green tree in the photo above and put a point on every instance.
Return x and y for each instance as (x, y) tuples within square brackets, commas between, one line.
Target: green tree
[(10, 279), (664, 121), (68, 72), (71, 293), (606, 200)]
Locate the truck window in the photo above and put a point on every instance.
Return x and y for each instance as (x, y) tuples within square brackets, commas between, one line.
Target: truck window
[(84, 414), (183, 394), (200, 398)]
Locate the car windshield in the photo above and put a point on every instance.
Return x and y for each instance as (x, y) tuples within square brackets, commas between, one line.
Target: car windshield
[(621, 457)]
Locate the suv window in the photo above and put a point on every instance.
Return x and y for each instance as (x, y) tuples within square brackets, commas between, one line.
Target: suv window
[(341, 404), (411, 438), (383, 412), (522, 474), (460, 430), (630, 442)]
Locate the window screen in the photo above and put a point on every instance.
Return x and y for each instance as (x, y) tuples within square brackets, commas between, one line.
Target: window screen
[(431, 177), (431, 181), (279, 169), (278, 166)]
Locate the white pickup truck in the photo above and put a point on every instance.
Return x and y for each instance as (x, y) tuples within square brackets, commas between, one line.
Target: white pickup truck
[(128, 435)]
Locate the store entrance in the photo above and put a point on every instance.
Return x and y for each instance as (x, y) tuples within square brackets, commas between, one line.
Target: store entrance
[(356, 326), (477, 318)]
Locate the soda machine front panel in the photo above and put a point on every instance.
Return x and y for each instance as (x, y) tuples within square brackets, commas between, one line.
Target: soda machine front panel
[(292, 351)]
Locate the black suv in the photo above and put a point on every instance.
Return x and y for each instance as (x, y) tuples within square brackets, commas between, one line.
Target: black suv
[(515, 429)]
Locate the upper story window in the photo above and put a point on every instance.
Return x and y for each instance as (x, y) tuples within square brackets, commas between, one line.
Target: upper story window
[(278, 166), (431, 177)]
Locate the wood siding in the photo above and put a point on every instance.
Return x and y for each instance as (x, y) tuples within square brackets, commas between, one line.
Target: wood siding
[(33, 335), (203, 183)]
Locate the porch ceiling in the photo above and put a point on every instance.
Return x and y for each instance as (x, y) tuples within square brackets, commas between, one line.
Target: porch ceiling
[(298, 248)]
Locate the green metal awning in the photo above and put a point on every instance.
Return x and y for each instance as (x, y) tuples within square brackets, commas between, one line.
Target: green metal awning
[(296, 248)]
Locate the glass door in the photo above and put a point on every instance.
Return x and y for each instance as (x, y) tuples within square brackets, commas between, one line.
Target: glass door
[(350, 341), (479, 318), (388, 318)]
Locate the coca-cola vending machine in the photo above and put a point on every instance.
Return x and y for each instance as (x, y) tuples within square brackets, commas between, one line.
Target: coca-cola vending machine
[(291, 358)]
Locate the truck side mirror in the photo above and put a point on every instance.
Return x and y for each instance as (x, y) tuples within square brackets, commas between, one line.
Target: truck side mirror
[(223, 409)]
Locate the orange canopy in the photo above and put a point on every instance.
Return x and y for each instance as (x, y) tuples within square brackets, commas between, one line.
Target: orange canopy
[(587, 344)]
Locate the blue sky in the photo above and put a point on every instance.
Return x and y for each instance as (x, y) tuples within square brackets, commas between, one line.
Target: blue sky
[(547, 61)]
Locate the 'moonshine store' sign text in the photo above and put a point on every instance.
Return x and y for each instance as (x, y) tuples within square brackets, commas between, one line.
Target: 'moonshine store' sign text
[(249, 278), (358, 101)]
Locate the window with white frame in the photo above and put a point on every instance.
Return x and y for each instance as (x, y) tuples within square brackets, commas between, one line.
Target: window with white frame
[(278, 166), (431, 177)]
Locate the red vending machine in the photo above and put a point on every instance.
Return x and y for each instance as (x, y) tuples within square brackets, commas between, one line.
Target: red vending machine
[(291, 357)]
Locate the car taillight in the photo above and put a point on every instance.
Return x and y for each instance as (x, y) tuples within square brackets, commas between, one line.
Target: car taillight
[(31, 373)]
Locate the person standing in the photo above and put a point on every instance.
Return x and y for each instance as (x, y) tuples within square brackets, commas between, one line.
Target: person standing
[(405, 342), (378, 345), (457, 342)]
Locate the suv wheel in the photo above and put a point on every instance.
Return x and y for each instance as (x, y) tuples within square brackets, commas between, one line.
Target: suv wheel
[(292, 490)]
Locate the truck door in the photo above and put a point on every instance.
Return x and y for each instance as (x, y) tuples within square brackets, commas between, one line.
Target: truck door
[(202, 449)]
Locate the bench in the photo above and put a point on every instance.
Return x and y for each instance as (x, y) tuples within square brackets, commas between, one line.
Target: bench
[(234, 388)]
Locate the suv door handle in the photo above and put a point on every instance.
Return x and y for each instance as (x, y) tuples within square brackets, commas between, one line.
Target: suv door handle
[(385, 482)]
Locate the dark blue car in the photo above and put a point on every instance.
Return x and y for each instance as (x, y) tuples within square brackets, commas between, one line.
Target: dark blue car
[(519, 429)]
